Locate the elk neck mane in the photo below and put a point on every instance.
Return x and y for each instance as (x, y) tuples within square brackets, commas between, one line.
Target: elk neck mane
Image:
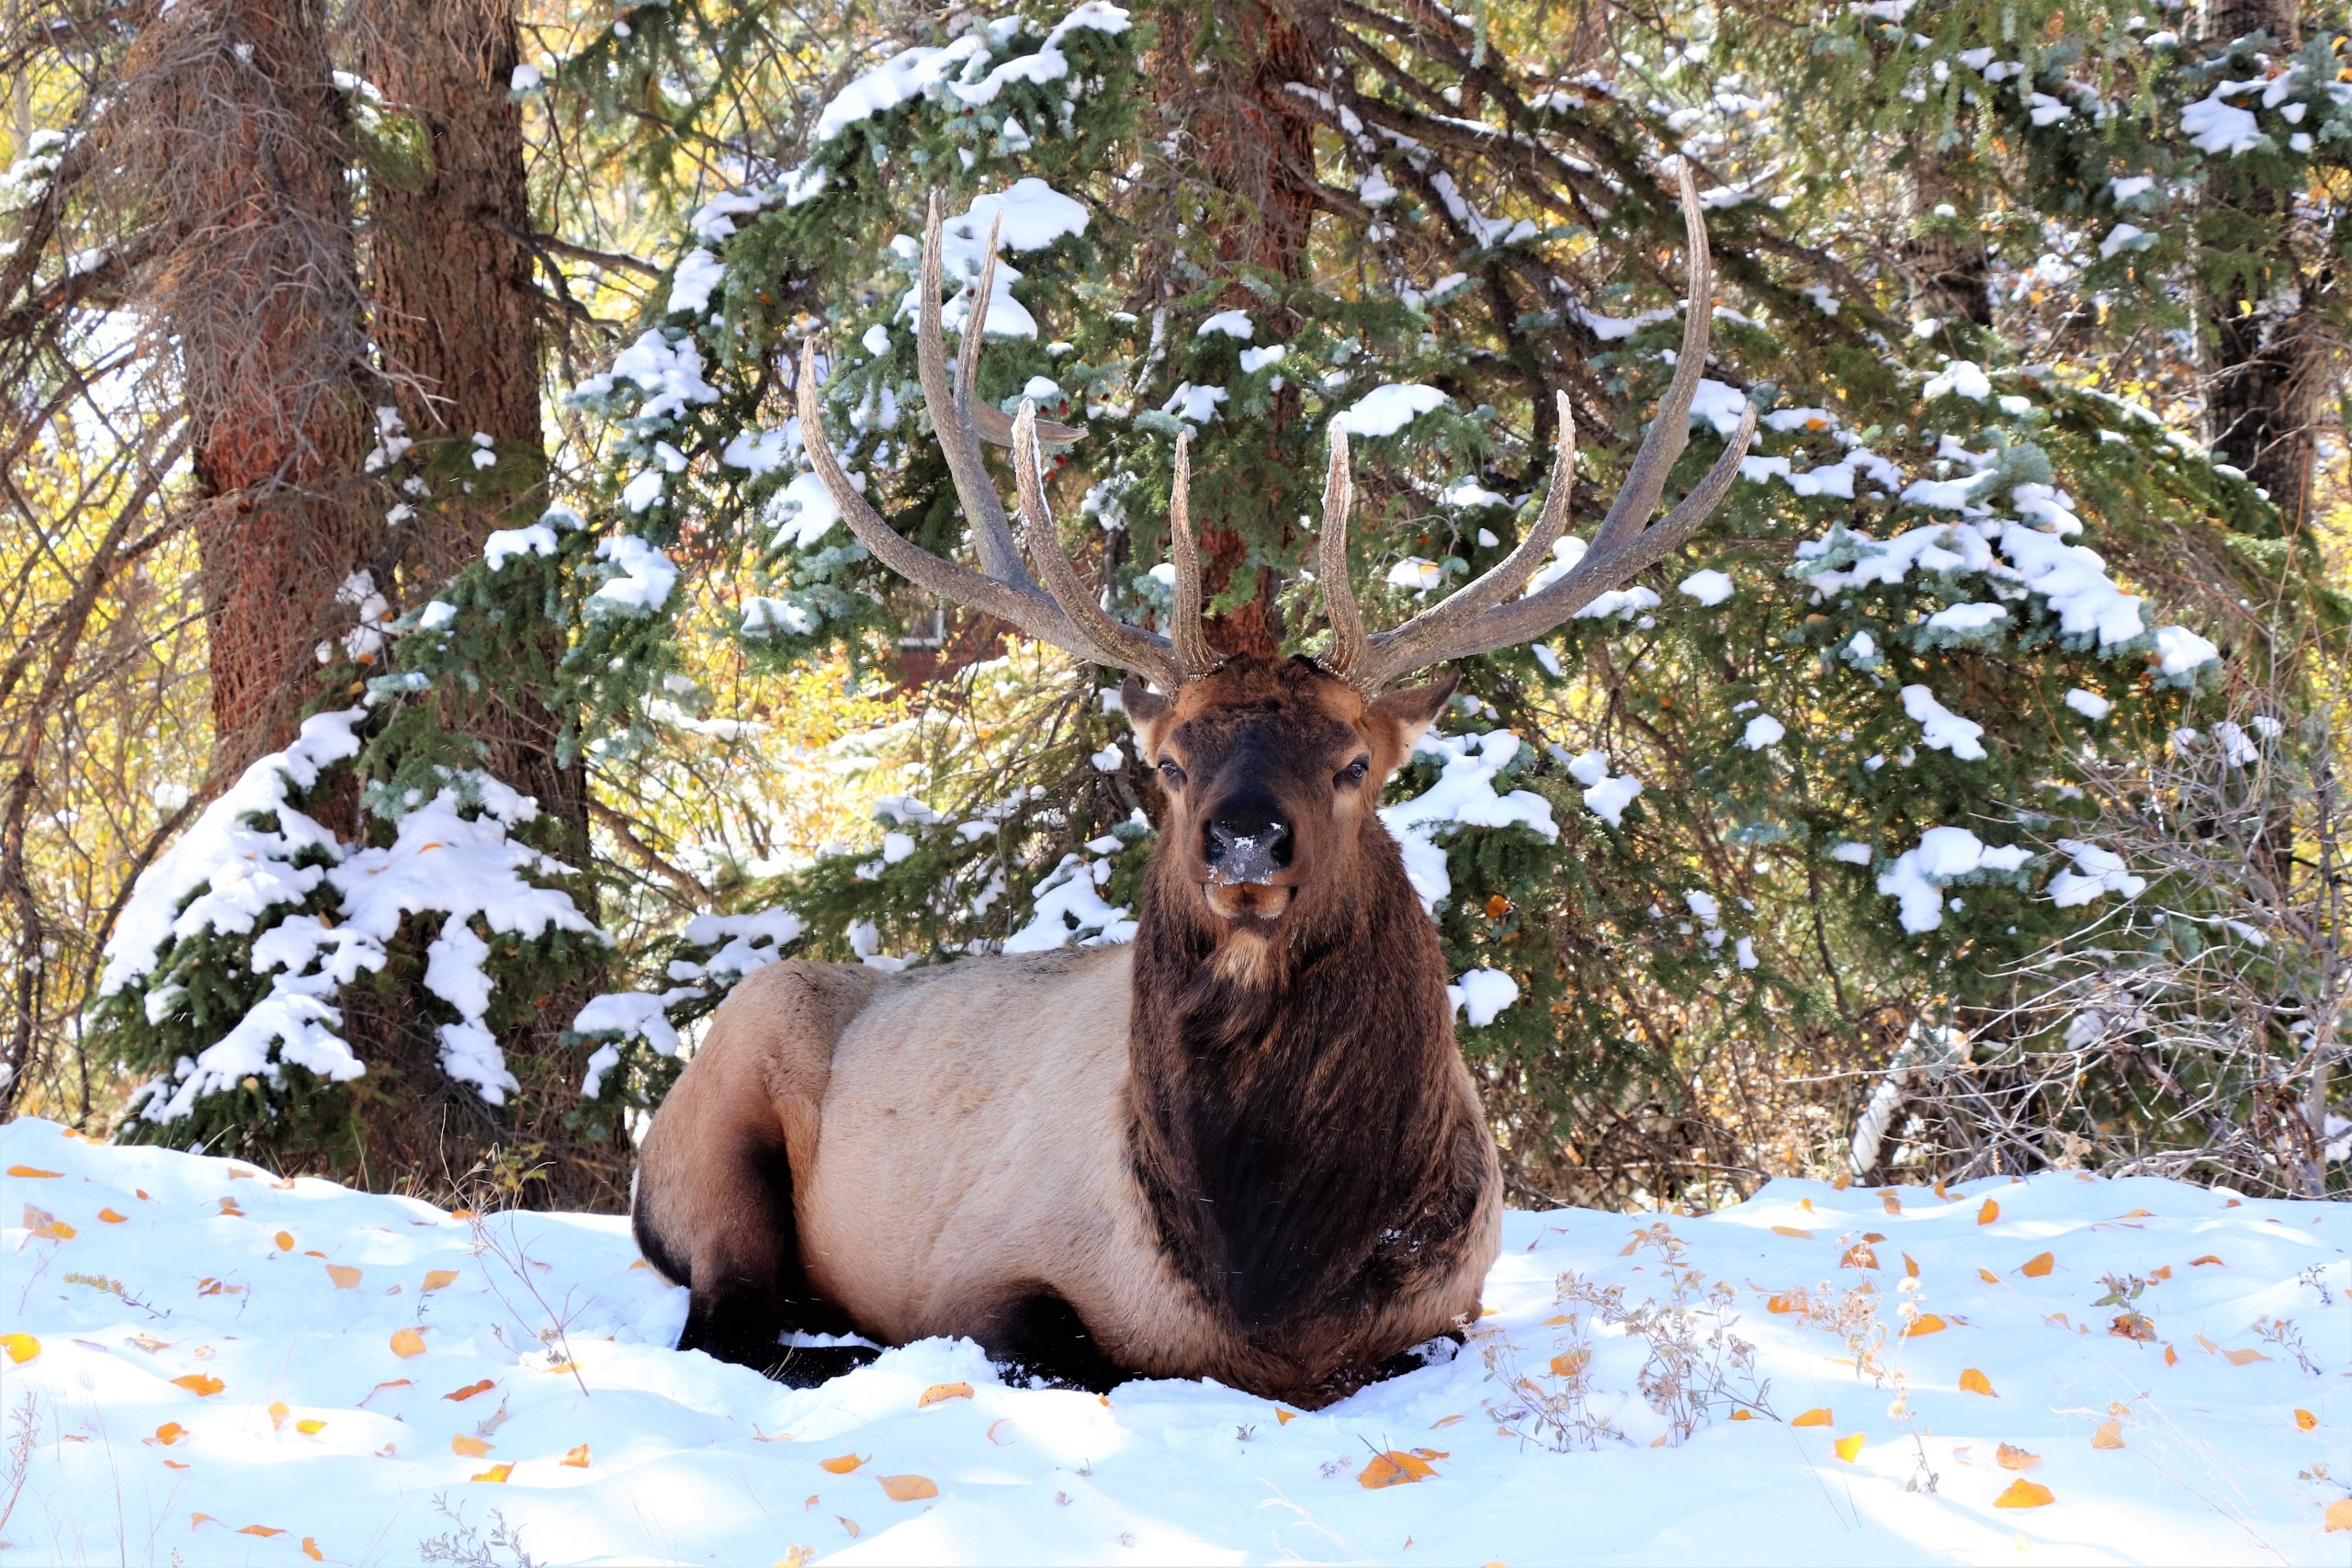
[(1295, 1123)]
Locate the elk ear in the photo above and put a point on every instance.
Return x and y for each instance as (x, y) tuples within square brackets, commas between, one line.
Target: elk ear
[(1143, 707), (1415, 708)]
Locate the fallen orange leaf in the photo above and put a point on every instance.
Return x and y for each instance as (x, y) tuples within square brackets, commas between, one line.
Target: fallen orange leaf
[(2208, 1257), (175, 1464), (1910, 1265), (2306, 1420), (1988, 1213), (1973, 1382), (2242, 1358), (408, 1342), (576, 1457), (496, 1473), (196, 1519), (939, 1392), (2172, 1357), (201, 1384), (1393, 1469), (285, 1241), (2339, 1515), (20, 1348), (310, 1425), (1988, 1276), (345, 1276), (1571, 1363), (1891, 1200), (1849, 1448), (1007, 1442), (1743, 1416), (2024, 1495), (260, 1530), (1791, 1230), (1786, 1300), (1444, 1421), (462, 1394), (170, 1432), (1284, 1417), (2108, 1435), (28, 1173), (437, 1279), (2040, 1264), (310, 1550), (908, 1488), (1814, 1418), (841, 1464), (1859, 1256), (2013, 1457), (278, 1412), (850, 1525), (1925, 1323), (472, 1447), (107, 1216)]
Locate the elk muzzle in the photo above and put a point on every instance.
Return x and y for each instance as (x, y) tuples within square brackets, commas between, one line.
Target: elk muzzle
[(1247, 843)]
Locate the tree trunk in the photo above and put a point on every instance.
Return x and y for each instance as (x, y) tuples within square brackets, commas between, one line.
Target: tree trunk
[(1945, 267), (458, 323), (2266, 349), (231, 122), (1219, 76)]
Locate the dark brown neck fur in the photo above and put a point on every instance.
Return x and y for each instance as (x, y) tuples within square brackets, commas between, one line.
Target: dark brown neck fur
[(1303, 1139)]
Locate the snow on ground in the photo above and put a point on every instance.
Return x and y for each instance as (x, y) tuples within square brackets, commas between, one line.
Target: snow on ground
[(223, 1367)]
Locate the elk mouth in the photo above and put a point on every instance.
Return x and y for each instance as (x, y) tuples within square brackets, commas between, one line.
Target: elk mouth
[(1246, 901)]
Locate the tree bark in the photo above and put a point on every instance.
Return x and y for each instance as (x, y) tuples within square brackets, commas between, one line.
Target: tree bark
[(1947, 270), (2266, 349), (458, 323), (1219, 76), (232, 124)]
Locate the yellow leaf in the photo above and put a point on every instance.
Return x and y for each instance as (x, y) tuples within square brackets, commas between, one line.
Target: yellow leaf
[(278, 1412), (1393, 1469), (437, 1279), (2024, 1495), (939, 1392), (1988, 1213), (2172, 1357), (1925, 1323), (1859, 1256), (1849, 1448), (841, 1464), (345, 1276), (1973, 1382), (408, 1342), (285, 1241), (461, 1394), (1570, 1363), (2108, 1435), (576, 1457), (1785, 1300), (196, 1519), (2306, 1420), (2339, 1515), (201, 1384), (263, 1530), (1284, 1417), (2242, 1358), (310, 1425), (1444, 1421), (1893, 1201), (20, 1348), (1910, 1265), (1743, 1416), (28, 1173), (2040, 1264), (1791, 1230), (170, 1432), (310, 1550), (1814, 1418), (2013, 1457), (107, 1216), (472, 1447), (496, 1473), (907, 1488), (1988, 1276)]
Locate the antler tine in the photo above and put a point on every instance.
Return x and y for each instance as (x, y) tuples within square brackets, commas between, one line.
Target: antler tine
[(1670, 430), (1401, 650), (1348, 657), (950, 414), (1129, 648), (1189, 626), (1018, 602), (975, 322)]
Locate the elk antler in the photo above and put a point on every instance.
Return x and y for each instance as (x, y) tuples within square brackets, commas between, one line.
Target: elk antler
[(1475, 618), (1064, 613)]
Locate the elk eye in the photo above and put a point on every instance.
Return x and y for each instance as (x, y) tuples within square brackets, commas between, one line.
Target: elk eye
[(1354, 771), (1173, 776)]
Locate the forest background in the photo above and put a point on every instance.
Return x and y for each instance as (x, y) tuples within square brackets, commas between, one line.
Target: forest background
[(430, 680)]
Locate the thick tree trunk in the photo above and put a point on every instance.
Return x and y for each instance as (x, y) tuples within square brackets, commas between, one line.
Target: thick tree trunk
[(232, 123), (457, 324), (2266, 349), (1219, 77)]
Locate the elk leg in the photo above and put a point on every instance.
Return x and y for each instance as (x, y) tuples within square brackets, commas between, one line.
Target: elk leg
[(744, 1269), (1043, 1336)]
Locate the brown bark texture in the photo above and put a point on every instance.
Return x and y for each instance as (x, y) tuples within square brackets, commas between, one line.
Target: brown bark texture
[(457, 321), (232, 124)]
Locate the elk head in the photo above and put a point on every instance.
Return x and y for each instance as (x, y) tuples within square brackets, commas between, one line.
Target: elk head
[(1272, 768)]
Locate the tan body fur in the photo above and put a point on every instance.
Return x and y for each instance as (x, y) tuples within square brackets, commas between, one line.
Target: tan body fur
[(959, 1141)]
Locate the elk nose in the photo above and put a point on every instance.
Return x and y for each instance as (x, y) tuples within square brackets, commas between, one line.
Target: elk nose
[(1246, 846)]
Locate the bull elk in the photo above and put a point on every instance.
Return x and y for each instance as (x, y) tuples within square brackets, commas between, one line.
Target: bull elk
[(1245, 1147)]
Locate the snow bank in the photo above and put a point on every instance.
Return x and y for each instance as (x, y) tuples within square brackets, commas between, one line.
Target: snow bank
[(224, 1368)]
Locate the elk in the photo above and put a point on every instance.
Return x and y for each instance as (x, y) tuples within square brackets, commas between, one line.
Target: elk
[(1244, 1148)]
